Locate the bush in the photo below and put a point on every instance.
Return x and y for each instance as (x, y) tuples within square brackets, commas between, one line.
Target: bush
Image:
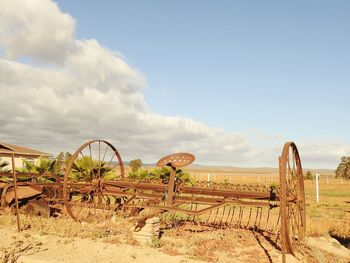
[(309, 176), (343, 169)]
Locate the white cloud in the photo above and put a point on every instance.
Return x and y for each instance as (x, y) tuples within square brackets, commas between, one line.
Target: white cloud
[(93, 93), (36, 29)]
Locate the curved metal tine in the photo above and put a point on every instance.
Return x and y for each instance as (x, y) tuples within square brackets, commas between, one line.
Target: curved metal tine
[(222, 216), (208, 222), (233, 213), (240, 216), (256, 218), (260, 215), (228, 215), (267, 218), (278, 220), (277, 228), (216, 215), (194, 216), (250, 214), (189, 215)]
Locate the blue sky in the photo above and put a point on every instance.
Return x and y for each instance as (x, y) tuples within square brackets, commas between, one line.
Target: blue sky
[(272, 66), (229, 81)]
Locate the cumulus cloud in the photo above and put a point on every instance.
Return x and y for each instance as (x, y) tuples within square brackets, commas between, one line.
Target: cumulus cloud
[(93, 93), (36, 29)]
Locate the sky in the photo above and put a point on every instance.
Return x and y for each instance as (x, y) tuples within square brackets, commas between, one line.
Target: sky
[(229, 81)]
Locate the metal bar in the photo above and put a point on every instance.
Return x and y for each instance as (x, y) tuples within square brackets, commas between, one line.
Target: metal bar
[(15, 190)]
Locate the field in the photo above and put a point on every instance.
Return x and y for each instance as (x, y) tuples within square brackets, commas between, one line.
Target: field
[(63, 240)]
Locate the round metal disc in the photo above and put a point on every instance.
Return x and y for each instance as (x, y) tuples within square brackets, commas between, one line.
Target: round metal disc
[(176, 160)]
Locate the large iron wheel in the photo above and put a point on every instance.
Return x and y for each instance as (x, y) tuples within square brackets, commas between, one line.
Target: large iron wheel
[(85, 195), (292, 198)]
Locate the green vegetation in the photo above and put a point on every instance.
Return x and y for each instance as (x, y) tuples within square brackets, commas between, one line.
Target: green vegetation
[(343, 169), (309, 176), (135, 164), (85, 169), (62, 161), (139, 173), (43, 166), (3, 167)]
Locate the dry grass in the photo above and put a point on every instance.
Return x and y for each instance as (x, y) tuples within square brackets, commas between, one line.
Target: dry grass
[(331, 214), (119, 232)]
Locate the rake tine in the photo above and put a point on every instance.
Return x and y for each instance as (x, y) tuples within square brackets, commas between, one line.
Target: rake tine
[(217, 211), (256, 218), (233, 213), (189, 216), (222, 216), (267, 219), (194, 216), (229, 212), (240, 216), (250, 213), (208, 217), (278, 221), (260, 217)]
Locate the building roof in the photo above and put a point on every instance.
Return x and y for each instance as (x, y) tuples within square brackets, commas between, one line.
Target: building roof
[(7, 149)]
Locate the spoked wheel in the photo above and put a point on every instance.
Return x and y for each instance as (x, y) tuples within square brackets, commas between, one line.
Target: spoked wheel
[(85, 196), (292, 198)]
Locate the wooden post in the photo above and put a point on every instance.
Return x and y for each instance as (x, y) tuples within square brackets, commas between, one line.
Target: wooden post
[(171, 185), (16, 196)]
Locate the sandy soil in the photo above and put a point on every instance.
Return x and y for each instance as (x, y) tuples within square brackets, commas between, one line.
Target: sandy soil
[(62, 240)]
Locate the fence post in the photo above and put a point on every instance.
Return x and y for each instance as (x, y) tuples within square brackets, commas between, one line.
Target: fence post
[(317, 194)]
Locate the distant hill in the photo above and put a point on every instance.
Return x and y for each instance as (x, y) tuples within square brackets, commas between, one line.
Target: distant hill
[(200, 168)]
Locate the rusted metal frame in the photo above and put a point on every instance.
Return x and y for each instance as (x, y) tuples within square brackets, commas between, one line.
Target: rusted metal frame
[(185, 211), (66, 187), (286, 246), (225, 193), (135, 185), (15, 190), (200, 211), (191, 190), (171, 185)]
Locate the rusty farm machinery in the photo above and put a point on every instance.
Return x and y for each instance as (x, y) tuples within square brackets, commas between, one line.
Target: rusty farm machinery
[(95, 187)]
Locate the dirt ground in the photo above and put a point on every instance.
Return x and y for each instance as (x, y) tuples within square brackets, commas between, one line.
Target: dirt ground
[(63, 240)]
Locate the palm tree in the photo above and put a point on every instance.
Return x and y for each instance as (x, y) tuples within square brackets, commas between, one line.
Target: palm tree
[(86, 169), (3, 167), (42, 167)]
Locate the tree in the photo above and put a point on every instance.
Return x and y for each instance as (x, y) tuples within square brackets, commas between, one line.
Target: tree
[(308, 176), (62, 161), (85, 169), (3, 167), (135, 165), (41, 166), (343, 169)]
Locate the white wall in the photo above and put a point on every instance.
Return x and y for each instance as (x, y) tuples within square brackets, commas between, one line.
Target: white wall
[(18, 162)]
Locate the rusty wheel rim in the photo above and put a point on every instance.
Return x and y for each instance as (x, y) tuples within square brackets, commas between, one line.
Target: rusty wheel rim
[(85, 196), (292, 198)]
